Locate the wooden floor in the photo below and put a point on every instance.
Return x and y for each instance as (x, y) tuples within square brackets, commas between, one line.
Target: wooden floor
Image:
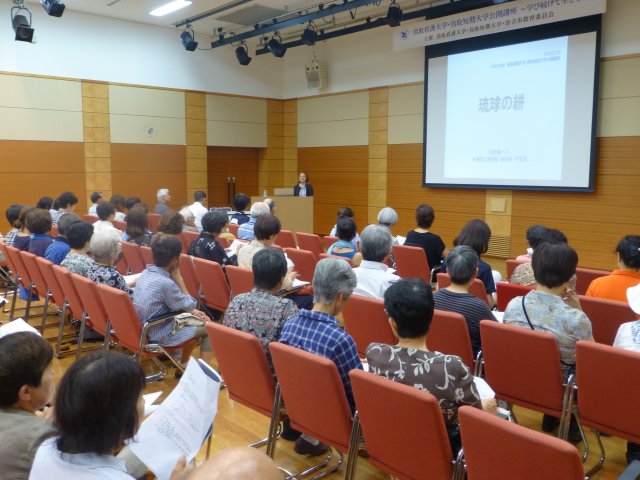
[(237, 425)]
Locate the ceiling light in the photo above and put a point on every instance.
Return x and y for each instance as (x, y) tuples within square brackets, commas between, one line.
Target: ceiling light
[(188, 39), (53, 7), (21, 24), (242, 54), (170, 8), (275, 46), (394, 14), (309, 36)]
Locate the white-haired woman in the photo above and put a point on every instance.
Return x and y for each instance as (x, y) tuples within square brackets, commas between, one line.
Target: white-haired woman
[(105, 247), (164, 199)]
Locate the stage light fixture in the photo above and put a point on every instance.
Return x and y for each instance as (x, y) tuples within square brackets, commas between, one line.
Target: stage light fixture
[(275, 46), (394, 14), (53, 7), (242, 54), (20, 23), (310, 35), (188, 39)]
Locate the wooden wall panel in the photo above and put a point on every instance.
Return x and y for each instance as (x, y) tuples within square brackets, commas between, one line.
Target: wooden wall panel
[(454, 207), (241, 162), (31, 170), (339, 176), (140, 170)]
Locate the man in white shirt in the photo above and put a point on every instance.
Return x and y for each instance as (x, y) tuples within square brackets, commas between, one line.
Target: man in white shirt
[(199, 207), (374, 276), (106, 214)]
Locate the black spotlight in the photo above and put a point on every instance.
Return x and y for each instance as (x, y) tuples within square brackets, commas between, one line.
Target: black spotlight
[(275, 46), (242, 54), (309, 36), (53, 7), (188, 40), (394, 14), (22, 26)]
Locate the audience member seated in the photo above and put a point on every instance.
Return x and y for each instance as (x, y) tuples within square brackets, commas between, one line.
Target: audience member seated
[(189, 220), (105, 247), (45, 203), (171, 223), (58, 250), (462, 265), (39, 224), (345, 212), (261, 312), (66, 203), (240, 203), (476, 234), (22, 239), (431, 243), (132, 202), (271, 203), (138, 227), (206, 246), (96, 198), (98, 408), (79, 237), (409, 304), (266, 230), (536, 234), (106, 214), (627, 275), (199, 208), (238, 463), (26, 386), (119, 204), (344, 247), (318, 331), (160, 290), (373, 276), (388, 217), (164, 199), (13, 214), (245, 232)]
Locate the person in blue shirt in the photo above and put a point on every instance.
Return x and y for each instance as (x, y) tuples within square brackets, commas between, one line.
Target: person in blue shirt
[(57, 251)]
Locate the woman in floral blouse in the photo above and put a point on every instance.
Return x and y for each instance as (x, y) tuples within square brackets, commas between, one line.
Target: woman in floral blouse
[(105, 247)]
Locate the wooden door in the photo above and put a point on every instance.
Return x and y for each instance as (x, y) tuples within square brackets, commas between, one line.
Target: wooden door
[(231, 170)]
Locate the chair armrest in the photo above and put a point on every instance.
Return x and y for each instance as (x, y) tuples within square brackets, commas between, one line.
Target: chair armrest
[(632, 472)]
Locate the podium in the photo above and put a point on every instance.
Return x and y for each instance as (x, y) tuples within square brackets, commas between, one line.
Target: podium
[(295, 213)]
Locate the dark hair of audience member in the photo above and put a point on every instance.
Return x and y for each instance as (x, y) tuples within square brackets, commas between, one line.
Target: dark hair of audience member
[(266, 226), (629, 250), (345, 228), (345, 212), (536, 234), (45, 203), (118, 202), (410, 303), (475, 234), (79, 234), (556, 236), (214, 222), (22, 218), (269, 266), (241, 202), (131, 201), (13, 214), (56, 204), (95, 196), (462, 262), (164, 249), (24, 356), (199, 195), (171, 223), (96, 403), (137, 222), (67, 199), (553, 264), (425, 215), (105, 210), (38, 221)]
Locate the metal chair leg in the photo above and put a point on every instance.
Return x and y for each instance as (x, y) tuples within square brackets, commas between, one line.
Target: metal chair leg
[(352, 457), (274, 423)]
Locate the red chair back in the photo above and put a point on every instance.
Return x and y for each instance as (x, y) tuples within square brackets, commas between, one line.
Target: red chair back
[(411, 262), (523, 366), (7, 255), (154, 220), (495, 449), (314, 395), (13, 257), (449, 334), (188, 272), (239, 353), (233, 228), (240, 279), (310, 242), (147, 255), (508, 291), (122, 315), (366, 321), (90, 218), (88, 291), (215, 289), (604, 375), (477, 288), (46, 268), (120, 225), (39, 283), (511, 266), (328, 241), (326, 255), (71, 295), (584, 277), (224, 243), (606, 317), (285, 239), (304, 261), (396, 437), (133, 256), (187, 239)]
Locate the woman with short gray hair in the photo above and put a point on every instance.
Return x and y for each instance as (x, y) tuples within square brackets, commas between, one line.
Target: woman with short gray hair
[(332, 281), (164, 199), (387, 217), (105, 247)]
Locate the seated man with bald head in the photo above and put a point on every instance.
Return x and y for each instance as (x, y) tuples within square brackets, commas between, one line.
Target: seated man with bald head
[(238, 463)]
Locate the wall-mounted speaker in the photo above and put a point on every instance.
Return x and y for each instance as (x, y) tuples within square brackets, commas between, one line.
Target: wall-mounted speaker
[(317, 76)]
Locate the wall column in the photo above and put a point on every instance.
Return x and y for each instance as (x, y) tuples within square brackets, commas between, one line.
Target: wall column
[(290, 142), (196, 135), (378, 137), (97, 138), (271, 162)]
